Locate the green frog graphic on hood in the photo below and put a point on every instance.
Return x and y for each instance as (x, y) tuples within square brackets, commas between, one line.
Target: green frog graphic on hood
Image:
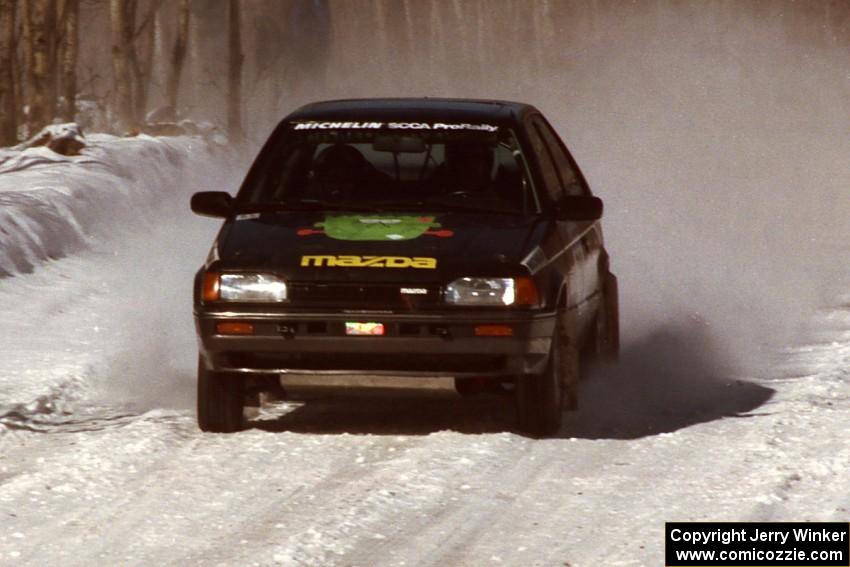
[(377, 227)]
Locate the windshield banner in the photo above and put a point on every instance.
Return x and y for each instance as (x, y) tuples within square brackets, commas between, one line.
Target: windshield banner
[(392, 126)]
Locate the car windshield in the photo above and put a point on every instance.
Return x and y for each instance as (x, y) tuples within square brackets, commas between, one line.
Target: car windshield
[(376, 166)]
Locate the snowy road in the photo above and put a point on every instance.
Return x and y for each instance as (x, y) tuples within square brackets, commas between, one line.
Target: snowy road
[(101, 461)]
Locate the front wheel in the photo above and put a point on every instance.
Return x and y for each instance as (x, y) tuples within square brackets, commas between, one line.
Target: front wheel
[(540, 398), (220, 401)]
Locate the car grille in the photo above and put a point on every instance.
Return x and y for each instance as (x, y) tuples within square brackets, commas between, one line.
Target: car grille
[(361, 296)]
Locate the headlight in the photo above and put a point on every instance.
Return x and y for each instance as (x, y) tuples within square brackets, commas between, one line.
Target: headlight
[(481, 291), (492, 291), (244, 287)]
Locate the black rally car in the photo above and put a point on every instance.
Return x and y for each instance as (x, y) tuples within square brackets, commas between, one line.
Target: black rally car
[(409, 237)]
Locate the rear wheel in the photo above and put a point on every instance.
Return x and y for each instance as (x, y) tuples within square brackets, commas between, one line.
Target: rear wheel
[(541, 397), (220, 401), (605, 340)]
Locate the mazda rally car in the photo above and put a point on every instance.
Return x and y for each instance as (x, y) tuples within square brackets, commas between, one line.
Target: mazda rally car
[(412, 238)]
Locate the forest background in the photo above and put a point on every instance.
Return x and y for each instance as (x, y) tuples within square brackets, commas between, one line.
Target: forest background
[(119, 65)]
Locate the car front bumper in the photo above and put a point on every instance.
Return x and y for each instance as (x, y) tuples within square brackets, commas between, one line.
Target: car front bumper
[(441, 344)]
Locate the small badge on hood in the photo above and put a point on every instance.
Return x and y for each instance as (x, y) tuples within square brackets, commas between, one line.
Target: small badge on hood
[(414, 291)]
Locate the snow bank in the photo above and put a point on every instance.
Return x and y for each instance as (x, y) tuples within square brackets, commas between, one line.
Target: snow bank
[(51, 205), (110, 319)]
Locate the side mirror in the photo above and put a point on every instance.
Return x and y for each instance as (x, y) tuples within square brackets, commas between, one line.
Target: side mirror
[(584, 208), (212, 204)]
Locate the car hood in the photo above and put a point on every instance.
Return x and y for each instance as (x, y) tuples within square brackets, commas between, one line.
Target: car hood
[(385, 247)]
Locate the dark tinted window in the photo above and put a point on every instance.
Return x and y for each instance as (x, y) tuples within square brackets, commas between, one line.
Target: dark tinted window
[(371, 167), (569, 178), (547, 166)]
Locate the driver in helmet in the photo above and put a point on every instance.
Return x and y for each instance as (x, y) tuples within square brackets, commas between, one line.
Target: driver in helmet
[(467, 168), (338, 171)]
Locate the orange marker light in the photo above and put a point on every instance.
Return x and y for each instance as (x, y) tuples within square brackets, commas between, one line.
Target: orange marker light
[(493, 331), (234, 328), (211, 287), (526, 292)]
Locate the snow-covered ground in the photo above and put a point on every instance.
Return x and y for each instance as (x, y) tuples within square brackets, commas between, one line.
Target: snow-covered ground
[(101, 461)]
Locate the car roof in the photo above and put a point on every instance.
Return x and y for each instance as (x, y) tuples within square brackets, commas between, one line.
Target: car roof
[(413, 109)]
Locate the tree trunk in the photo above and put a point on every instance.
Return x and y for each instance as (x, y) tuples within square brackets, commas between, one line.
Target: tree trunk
[(178, 55), (409, 26), (25, 61), (41, 16), (160, 62), (234, 73), (144, 63), (8, 109), (57, 55), (52, 25), (136, 81), (381, 26), (70, 49), (435, 42), (122, 93)]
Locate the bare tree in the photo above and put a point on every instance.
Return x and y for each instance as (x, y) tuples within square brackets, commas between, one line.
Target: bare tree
[(121, 24), (436, 43), (25, 60), (143, 70), (234, 72), (8, 107), (41, 23), (69, 21), (178, 55), (409, 26), (381, 27), (132, 59)]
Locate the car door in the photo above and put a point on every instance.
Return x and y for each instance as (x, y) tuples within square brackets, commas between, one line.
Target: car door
[(582, 237), (568, 259)]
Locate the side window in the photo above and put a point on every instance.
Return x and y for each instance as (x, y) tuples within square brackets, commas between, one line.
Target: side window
[(547, 166), (570, 179)]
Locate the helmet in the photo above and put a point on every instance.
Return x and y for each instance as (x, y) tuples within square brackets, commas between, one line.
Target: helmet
[(469, 165), (338, 169)]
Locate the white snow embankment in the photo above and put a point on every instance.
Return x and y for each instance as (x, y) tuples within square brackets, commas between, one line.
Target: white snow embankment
[(50, 204), (68, 321)]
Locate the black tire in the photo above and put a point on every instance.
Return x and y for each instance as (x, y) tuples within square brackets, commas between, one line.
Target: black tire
[(570, 375), (220, 401), (541, 397), (605, 340)]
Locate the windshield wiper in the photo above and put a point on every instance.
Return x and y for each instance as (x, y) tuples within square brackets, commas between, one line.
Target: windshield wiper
[(260, 207), (300, 206), (323, 206), (438, 206), (377, 207)]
